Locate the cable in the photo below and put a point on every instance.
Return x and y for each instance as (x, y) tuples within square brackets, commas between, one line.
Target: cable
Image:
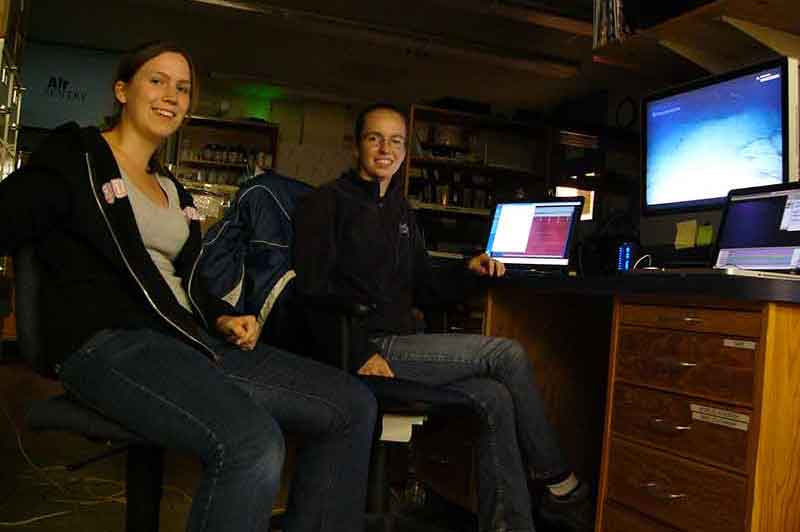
[(38, 469), (647, 256), (118, 496), (34, 519)]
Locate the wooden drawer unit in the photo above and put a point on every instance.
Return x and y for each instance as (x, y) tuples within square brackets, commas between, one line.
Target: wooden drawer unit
[(702, 417), (697, 319), (619, 519), (708, 432), (679, 492), (709, 365)]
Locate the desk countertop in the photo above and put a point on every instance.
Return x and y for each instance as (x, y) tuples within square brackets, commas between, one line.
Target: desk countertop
[(673, 284)]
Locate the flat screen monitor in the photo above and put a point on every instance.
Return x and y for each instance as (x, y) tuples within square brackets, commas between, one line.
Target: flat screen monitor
[(534, 233), (705, 138)]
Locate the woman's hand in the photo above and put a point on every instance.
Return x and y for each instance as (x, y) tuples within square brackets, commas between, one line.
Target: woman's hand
[(242, 331), (376, 366), (485, 265)]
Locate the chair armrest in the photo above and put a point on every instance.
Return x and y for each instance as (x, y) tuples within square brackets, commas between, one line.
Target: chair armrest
[(338, 326)]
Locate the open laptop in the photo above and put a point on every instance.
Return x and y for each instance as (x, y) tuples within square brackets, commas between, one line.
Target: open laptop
[(759, 235), (534, 237)]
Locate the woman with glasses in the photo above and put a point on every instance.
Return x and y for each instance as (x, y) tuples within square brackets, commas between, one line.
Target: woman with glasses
[(357, 238)]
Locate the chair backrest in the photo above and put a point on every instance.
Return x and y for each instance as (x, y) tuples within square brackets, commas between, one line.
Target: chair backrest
[(27, 281)]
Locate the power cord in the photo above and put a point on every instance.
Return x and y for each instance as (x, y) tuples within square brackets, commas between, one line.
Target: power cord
[(117, 496), (647, 256)]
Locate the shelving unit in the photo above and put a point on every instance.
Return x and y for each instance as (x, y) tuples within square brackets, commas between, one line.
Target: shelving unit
[(221, 151), (459, 164), (13, 17), (213, 156)]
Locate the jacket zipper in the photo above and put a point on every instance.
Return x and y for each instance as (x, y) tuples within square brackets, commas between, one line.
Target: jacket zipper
[(189, 287), (210, 351)]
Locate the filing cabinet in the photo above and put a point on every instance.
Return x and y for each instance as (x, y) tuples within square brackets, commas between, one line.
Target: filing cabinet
[(703, 417)]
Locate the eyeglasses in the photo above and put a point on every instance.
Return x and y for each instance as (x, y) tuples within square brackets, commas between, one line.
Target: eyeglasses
[(376, 140)]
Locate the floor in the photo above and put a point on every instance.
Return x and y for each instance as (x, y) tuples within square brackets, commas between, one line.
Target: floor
[(38, 493)]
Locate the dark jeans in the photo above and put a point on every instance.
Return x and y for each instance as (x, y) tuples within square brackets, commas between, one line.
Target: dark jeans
[(516, 442), (233, 417)]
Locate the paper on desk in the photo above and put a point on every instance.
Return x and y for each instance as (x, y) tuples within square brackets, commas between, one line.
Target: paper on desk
[(686, 234), (398, 428)]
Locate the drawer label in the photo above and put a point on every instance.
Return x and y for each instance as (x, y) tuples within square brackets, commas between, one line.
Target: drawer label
[(718, 416), (739, 344)]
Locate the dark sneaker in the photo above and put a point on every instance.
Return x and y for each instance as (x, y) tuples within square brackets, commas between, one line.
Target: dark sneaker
[(573, 512)]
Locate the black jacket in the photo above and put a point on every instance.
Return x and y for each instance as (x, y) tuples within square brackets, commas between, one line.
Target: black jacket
[(351, 243), (98, 273)]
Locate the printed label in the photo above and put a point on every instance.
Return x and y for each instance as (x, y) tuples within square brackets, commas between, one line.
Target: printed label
[(718, 416), (739, 344), (720, 421)]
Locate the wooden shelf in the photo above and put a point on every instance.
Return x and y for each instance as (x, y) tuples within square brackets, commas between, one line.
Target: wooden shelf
[(420, 206), (197, 120), (718, 37), (214, 188), (212, 164), (424, 113), (473, 167)]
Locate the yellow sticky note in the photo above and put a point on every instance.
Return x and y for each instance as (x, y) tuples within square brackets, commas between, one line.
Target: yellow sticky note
[(686, 234), (705, 234)]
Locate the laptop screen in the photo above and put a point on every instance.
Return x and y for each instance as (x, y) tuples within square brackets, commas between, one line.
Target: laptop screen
[(534, 233), (761, 229)]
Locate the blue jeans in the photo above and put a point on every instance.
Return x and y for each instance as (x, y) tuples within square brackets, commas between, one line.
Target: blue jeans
[(516, 441), (233, 417)]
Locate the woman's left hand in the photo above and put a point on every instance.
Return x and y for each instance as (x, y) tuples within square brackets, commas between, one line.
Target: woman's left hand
[(485, 265), (242, 331)]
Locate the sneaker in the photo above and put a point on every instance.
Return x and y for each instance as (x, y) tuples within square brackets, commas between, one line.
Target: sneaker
[(573, 512)]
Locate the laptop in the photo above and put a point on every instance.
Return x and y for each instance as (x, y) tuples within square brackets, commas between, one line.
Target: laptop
[(534, 237), (759, 235)]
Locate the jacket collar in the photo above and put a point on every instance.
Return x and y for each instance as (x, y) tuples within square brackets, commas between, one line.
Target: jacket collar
[(371, 189)]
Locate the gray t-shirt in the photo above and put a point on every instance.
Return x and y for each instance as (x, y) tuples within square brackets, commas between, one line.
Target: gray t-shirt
[(164, 231)]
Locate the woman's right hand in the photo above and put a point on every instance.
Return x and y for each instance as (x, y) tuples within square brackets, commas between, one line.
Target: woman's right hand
[(242, 331), (376, 366)]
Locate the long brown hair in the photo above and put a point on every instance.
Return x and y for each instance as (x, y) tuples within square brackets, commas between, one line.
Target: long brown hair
[(127, 68)]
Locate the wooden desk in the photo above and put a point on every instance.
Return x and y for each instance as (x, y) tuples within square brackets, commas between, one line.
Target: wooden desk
[(700, 425)]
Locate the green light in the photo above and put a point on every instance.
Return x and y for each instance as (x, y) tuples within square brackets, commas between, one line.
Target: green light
[(256, 99)]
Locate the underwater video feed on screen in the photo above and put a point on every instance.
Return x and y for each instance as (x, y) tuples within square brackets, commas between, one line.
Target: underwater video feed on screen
[(704, 142)]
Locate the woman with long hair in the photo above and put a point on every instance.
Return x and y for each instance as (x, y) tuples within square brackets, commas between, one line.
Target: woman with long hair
[(133, 333)]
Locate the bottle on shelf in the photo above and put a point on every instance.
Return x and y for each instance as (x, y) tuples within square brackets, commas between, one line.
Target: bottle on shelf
[(456, 195)]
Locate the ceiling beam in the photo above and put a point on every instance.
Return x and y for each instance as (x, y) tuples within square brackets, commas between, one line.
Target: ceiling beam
[(543, 19), (525, 15), (415, 43)]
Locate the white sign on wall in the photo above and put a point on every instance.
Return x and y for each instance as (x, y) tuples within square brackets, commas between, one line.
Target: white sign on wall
[(66, 84)]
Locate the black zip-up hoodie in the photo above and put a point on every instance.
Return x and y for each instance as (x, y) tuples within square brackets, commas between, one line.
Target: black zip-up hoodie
[(351, 243), (68, 201)]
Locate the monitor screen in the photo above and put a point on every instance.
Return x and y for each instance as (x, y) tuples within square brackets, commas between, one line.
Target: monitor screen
[(714, 135), (533, 233), (761, 230)]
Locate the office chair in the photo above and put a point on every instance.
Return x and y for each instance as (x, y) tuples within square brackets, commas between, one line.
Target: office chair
[(394, 397), (145, 460)]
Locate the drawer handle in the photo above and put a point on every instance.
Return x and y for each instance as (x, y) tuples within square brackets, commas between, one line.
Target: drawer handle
[(686, 319), (658, 424), (654, 490), (676, 364)]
